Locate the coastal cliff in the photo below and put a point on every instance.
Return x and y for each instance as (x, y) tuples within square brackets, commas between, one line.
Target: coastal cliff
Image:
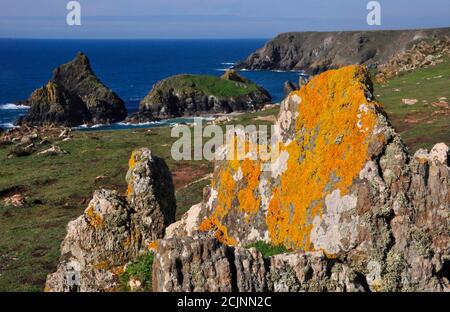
[(73, 96), (316, 52)]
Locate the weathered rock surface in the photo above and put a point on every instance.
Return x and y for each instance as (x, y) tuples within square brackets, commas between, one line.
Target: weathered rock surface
[(315, 52), (114, 229), (191, 95), (72, 97), (343, 184), (203, 264)]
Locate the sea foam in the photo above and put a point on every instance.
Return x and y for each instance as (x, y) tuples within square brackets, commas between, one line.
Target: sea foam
[(11, 106)]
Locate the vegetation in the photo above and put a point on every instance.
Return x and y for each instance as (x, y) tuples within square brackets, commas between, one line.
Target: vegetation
[(268, 250), (140, 270), (209, 85), (422, 124), (57, 189)]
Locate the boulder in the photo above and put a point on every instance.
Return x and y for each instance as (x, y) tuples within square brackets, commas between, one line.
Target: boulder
[(343, 184), (72, 97), (115, 230)]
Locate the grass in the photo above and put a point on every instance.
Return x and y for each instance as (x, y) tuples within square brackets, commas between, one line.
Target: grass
[(421, 125), (210, 85), (141, 269), (58, 189), (268, 250)]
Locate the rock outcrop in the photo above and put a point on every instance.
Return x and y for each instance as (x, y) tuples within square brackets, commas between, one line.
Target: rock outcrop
[(315, 52), (203, 264), (191, 95), (114, 229), (342, 187), (422, 54), (73, 96)]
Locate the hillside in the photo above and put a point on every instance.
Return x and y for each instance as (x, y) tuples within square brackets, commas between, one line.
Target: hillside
[(318, 51), (417, 104), (190, 95)]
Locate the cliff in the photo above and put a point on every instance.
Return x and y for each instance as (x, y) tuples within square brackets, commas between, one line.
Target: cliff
[(72, 97), (315, 52), (190, 95)]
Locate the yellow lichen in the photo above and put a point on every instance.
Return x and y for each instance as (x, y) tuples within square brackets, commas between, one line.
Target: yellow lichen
[(94, 219), (153, 245), (333, 106), (102, 265), (131, 166), (334, 125)]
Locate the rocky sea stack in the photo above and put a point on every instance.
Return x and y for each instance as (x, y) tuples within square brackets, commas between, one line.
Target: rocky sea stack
[(73, 96), (316, 52), (191, 95)]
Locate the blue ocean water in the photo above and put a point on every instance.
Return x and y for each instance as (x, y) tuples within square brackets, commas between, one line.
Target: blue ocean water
[(129, 67)]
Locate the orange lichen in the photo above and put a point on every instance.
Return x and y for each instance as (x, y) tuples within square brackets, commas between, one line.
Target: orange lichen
[(118, 270), (220, 231), (251, 171), (334, 125), (131, 166), (153, 245), (333, 106), (94, 219), (102, 265)]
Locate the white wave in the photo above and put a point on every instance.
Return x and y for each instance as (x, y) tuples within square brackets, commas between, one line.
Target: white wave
[(13, 106), (222, 69), (225, 63), (89, 126), (7, 125), (129, 124)]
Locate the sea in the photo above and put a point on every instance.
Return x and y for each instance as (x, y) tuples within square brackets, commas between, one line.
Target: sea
[(129, 67)]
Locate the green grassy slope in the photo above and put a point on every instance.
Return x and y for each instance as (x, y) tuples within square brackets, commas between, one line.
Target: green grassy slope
[(421, 125), (58, 189), (209, 85)]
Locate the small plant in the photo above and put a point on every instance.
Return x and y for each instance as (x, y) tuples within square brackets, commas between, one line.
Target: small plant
[(268, 250), (140, 270)]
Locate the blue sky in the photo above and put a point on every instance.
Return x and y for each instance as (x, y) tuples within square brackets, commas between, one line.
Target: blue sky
[(210, 18)]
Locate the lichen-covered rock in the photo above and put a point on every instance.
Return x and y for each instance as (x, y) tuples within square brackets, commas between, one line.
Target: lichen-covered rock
[(151, 193), (72, 97), (343, 184), (204, 264), (189, 223), (114, 230)]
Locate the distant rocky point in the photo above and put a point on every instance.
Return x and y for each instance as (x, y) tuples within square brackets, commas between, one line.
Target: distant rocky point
[(191, 95), (316, 52), (74, 96)]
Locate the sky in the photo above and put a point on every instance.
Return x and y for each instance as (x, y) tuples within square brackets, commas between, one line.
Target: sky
[(186, 19)]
